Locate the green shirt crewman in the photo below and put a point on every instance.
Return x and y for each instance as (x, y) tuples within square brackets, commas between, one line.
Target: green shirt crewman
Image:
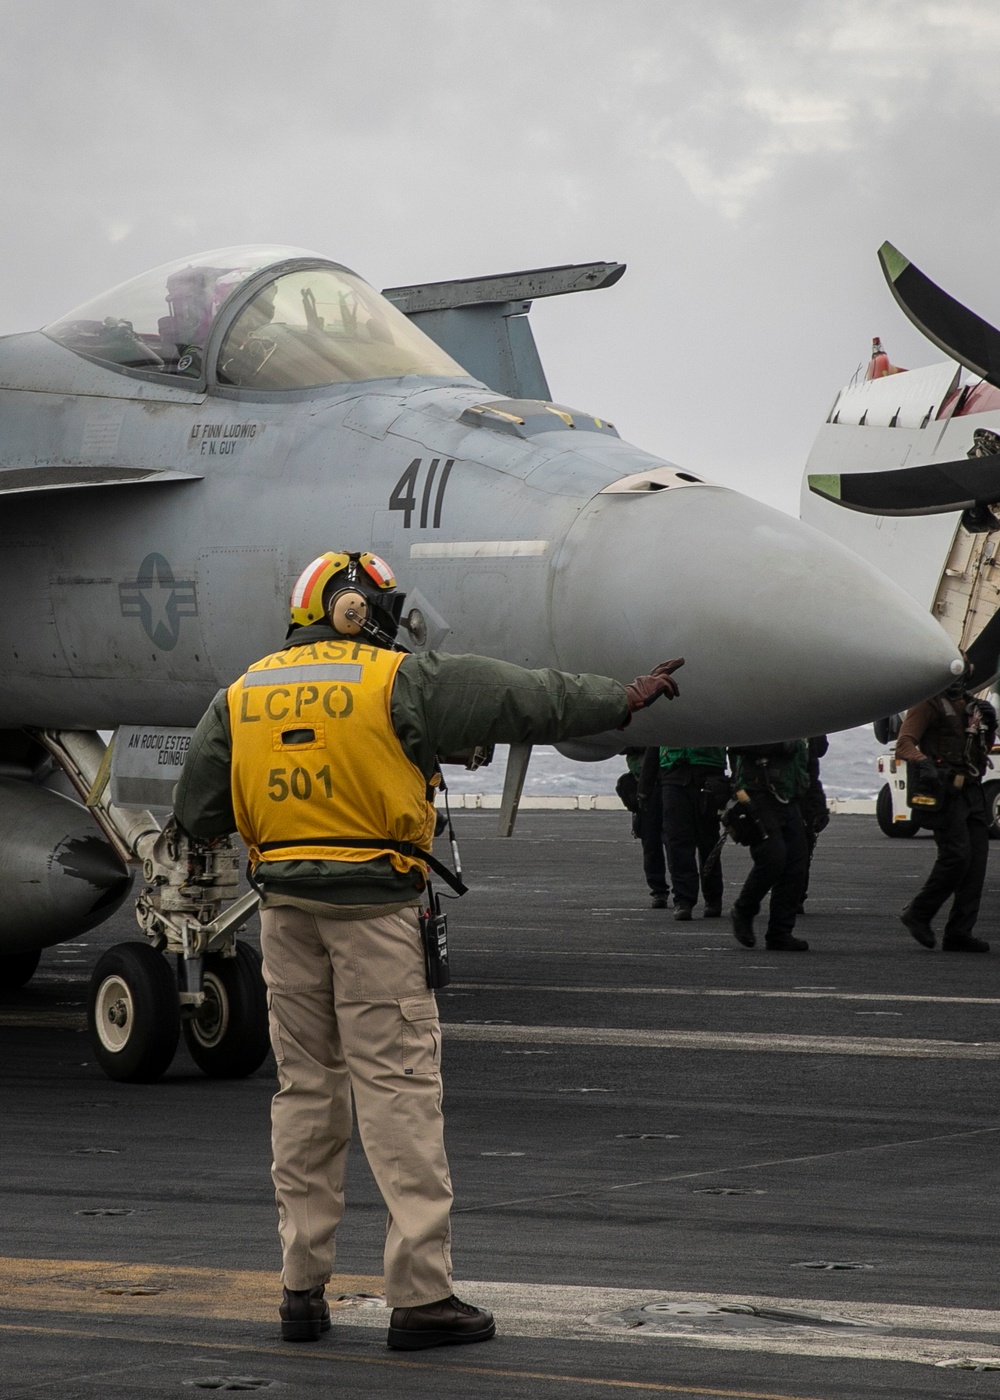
[(693, 791), (773, 778)]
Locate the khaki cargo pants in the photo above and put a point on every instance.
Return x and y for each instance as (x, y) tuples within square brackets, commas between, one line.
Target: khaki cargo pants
[(350, 1011)]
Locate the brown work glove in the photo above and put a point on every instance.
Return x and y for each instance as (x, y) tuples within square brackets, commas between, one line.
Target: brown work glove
[(645, 689)]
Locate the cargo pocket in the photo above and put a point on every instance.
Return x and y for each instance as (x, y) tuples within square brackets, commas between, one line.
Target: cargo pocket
[(421, 1035), (274, 1031)]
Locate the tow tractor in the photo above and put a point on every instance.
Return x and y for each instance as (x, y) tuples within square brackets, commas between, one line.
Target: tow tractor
[(892, 809)]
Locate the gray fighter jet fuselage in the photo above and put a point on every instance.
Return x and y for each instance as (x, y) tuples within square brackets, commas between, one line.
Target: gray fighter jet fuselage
[(173, 454)]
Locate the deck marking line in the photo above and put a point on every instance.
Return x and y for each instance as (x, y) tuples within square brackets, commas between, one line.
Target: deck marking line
[(885, 1047), (760, 1042), (46, 1020), (723, 1171), (326, 1356), (75, 1281), (906, 1333), (759, 992)]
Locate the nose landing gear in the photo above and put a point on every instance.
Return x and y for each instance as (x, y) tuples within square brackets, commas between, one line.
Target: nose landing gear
[(190, 914), (133, 1013), (227, 1035), (138, 1004)]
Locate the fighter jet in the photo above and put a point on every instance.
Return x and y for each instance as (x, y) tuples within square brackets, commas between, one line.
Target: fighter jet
[(174, 452)]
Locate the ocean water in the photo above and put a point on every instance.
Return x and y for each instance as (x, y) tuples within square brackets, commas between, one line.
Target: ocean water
[(848, 770)]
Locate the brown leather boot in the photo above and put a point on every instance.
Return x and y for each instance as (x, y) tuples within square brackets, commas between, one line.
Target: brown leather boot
[(447, 1323), (304, 1314)]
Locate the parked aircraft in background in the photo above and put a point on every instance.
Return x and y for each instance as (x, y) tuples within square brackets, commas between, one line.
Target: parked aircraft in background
[(175, 451), (906, 472)]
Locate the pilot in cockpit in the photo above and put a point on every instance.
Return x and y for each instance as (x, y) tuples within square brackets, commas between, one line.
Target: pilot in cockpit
[(248, 349)]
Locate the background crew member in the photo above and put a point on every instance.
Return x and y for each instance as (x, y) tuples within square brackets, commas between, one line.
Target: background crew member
[(324, 757), (815, 811), (773, 777), (693, 791), (639, 790), (950, 738)]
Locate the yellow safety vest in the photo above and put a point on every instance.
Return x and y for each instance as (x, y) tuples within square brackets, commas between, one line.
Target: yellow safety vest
[(315, 758)]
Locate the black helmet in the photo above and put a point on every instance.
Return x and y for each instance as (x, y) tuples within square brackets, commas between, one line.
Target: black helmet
[(962, 682)]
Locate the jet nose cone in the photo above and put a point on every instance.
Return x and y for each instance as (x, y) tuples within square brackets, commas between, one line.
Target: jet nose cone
[(785, 633)]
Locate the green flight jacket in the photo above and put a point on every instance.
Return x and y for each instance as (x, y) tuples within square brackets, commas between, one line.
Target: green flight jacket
[(705, 757), (440, 705), (780, 769)]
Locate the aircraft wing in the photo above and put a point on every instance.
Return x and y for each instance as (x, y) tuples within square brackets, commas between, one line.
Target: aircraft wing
[(952, 327), (19, 481), (933, 489)]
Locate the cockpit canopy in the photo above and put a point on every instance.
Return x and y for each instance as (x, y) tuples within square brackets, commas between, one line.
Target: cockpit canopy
[(312, 323)]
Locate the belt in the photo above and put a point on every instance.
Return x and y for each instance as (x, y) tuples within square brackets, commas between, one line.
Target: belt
[(403, 848)]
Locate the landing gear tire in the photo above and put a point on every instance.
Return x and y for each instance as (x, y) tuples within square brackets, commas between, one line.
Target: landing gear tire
[(228, 1036), (991, 792), (133, 1013), (18, 968), (883, 815)]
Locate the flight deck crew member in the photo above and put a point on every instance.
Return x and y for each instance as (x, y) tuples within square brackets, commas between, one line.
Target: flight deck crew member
[(813, 805), (647, 819), (773, 777), (693, 791), (950, 738), (324, 756)]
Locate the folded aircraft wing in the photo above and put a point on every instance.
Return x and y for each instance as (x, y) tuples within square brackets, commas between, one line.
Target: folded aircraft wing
[(951, 326), (933, 489)]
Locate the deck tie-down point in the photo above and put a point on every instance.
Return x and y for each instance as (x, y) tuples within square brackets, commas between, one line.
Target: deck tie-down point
[(830, 1264), (696, 1316)]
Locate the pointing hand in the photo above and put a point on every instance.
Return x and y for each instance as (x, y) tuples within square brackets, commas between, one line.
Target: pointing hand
[(645, 689)]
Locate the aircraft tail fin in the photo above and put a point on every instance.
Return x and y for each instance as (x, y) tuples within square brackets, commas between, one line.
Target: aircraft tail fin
[(482, 322)]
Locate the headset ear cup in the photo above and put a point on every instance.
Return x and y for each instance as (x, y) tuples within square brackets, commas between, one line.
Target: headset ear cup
[(348, 610)]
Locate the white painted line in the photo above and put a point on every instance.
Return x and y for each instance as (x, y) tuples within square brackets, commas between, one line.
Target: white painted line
[(742, 1041), (576, 1313), (171, 1293), (582, 802), (799, 994), (55, 1020), (480, 549)]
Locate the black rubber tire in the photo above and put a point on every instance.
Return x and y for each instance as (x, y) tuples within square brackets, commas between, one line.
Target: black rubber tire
[(229, 1039), (883, 815), (991, 792), (16, 969), (134, 980)]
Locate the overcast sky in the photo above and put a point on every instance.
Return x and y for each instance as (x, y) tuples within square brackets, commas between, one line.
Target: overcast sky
[(745, 159)]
